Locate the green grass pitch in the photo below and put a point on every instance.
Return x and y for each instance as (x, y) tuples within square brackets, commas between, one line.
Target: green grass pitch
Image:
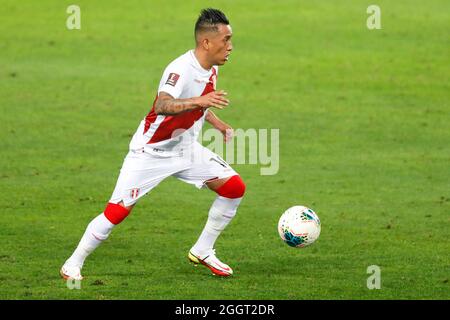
[(364, 140)]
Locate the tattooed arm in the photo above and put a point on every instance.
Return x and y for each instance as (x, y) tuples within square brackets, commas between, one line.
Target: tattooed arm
[(167, 105)]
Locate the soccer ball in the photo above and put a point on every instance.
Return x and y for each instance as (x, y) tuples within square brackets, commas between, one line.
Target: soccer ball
[(299, 226)]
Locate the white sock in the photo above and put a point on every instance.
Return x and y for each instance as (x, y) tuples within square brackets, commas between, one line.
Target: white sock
[(221, 213), (96, 232)]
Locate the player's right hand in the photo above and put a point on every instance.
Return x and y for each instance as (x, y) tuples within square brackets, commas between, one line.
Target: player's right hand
[(215, 99)]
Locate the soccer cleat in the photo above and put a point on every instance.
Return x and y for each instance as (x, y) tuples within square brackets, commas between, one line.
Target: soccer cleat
[(212, 263), (71, 272)]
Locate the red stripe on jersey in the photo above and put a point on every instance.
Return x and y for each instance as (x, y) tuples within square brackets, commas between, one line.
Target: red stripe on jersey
[(184, 120), (151, 116)]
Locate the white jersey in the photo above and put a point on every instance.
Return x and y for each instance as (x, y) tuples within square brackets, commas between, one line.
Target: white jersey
[(183, 78)]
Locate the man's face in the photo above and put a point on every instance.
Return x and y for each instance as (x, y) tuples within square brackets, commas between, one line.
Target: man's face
[(220, 45)]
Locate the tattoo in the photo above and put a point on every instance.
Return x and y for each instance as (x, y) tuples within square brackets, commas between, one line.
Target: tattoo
[(167, 105)]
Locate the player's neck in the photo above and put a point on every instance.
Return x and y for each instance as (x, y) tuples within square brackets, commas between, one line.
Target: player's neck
[(201, 58)]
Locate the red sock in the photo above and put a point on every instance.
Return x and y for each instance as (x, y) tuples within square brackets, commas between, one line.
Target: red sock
[(233, 188), (115, 213)]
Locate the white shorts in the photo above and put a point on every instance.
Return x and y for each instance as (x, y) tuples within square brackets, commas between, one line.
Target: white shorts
[(142, 170)]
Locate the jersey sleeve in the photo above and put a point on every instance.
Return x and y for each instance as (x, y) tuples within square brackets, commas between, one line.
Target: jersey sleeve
[(173, 80)]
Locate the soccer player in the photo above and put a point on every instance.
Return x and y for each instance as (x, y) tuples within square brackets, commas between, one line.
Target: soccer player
[(165, 144)]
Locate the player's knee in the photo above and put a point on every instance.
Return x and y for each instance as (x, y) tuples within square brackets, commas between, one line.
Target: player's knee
[(233, 188), (116, 213)]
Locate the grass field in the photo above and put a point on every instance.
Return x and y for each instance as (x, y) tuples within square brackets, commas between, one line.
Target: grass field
[(364, 140)]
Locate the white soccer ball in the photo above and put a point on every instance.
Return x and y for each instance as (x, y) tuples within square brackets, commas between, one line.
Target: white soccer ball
[(299, 226)]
